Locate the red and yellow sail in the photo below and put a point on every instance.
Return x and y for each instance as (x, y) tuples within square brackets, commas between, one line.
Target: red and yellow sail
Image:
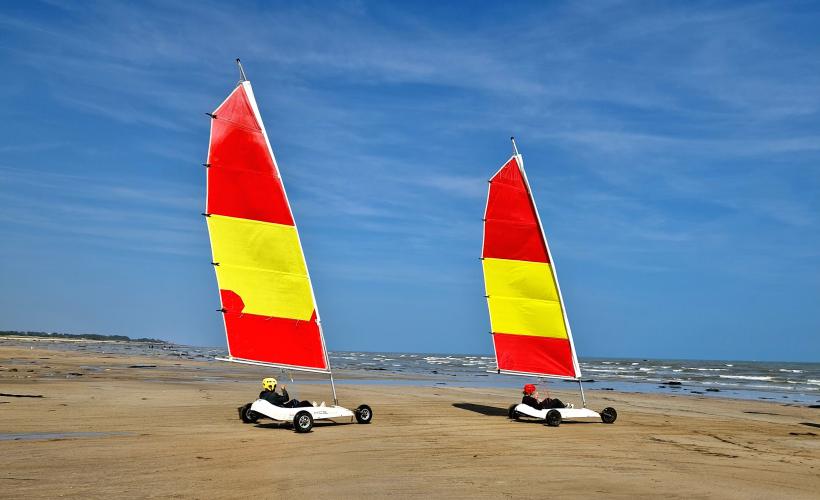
[(530, 331), (267, 297)]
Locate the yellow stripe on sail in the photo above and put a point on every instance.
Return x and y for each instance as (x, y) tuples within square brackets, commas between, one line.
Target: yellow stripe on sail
[(263, 264), (523, 298)]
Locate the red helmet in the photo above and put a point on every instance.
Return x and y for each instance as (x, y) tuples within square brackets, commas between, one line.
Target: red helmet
[(529, 389)]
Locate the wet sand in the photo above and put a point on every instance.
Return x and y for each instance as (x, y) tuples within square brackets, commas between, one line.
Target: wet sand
[(137, 427)]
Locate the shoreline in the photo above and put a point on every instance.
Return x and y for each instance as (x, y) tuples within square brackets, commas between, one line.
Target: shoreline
[(369, 373)]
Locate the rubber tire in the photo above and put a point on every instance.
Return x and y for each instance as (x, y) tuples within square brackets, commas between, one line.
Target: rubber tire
[(609, 415), (511, 413), (364, 414), (303, 421), (247, 415), (553, 418)]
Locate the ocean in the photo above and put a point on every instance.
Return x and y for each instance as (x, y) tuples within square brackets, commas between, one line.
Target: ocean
[(788, 382)]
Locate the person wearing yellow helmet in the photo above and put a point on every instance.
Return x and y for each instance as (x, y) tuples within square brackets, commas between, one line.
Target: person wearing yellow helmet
[(270, 395)]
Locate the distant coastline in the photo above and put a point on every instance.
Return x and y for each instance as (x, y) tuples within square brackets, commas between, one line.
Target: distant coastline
[(80, 336)]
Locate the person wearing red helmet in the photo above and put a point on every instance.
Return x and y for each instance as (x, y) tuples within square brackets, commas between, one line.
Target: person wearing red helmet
[(531, 399)]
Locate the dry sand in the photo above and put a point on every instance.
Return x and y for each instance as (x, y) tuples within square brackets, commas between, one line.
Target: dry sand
[(172, 431)]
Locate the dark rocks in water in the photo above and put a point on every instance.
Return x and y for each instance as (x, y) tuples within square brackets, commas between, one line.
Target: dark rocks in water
[(21, 395), (696, 392), (588, 381), (434, 371), (376, 369), (810, 406), (662, 387), (673, 382), (712, 389), (142, 366), (607, 389)]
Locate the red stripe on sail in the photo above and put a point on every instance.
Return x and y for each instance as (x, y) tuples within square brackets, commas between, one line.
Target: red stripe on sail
[(242, 178), (524, 353), (272, 340), (511, 228)]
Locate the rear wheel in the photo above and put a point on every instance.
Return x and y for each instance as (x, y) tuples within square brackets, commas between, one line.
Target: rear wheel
[(608, 415), (511, 414), (247, 415), (303, 422), (553, 418), (363, 414)]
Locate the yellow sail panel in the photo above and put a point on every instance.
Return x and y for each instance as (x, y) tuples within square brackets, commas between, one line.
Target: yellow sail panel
[(519, 278), (263, 264), (537, 318), (523, 298)]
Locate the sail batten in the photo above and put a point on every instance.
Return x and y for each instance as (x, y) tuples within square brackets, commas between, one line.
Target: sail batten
[(530, 330), (268, 303)]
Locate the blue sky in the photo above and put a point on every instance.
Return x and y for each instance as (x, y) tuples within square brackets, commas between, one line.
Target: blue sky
[(673, 149)]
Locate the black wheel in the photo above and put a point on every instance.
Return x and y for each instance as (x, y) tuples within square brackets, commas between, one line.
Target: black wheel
[(247, 415), (363, 414), (608, 415), (511, 413), (553, 418), (303, 422)]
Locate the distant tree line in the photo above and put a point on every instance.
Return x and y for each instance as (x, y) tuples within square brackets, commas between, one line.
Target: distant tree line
[(82, 336)]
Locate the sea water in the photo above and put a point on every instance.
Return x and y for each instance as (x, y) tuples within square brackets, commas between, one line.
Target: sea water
[(789, 382)]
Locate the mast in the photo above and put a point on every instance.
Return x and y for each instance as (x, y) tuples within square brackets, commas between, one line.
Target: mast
[(530, 327), (553, 270), (298, 237)]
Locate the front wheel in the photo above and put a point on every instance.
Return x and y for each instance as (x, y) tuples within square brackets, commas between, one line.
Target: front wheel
[(247, 415), (553, 418), (303, 422), (608, 415), (364, 414)]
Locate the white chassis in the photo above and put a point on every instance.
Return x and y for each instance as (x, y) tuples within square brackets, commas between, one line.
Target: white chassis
[(273, 412), (302, 418), (566, 413)]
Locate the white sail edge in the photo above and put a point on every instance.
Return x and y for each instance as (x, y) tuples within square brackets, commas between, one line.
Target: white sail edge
[(246, 84), (575, 363)]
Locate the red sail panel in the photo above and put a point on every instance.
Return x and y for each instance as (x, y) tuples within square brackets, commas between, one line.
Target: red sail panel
[(541, 355), (281, 341), (511, 228), (243, 180)]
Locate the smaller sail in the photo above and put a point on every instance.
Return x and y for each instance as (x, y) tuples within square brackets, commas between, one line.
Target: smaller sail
[(529, 327)]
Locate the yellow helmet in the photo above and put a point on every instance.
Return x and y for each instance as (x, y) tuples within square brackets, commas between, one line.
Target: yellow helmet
[(269, 384)]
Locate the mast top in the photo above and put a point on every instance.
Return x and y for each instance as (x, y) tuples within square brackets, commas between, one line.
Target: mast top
[(515, 148), (242, 77)]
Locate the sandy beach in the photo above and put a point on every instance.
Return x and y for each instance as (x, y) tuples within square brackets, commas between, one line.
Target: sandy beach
[(137, 427)]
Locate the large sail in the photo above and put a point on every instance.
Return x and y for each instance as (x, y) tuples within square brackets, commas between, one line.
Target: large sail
[(531, 334), (267, 298)]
